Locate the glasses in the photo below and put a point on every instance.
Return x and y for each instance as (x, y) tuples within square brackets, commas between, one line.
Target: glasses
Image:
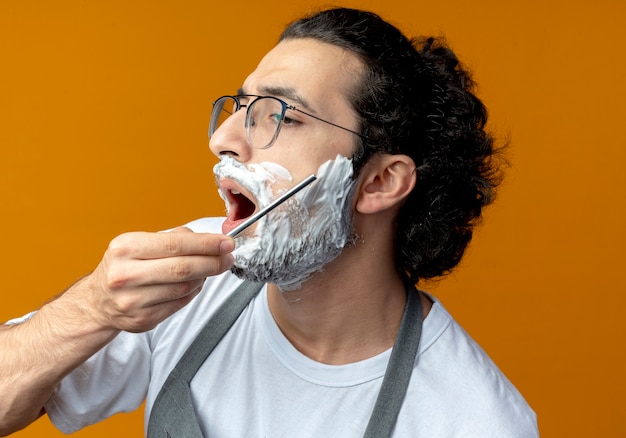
[(265, 115)]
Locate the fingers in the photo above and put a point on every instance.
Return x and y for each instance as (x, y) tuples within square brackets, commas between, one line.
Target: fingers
[(145, 277), (137, 272), (135, 259), (148, 315), (178, 242), (131, 300)]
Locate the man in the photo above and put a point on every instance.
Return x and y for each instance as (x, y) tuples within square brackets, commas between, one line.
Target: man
[(326, 337)]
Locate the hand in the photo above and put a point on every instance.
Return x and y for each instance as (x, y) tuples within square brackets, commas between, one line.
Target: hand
[(145, 277)]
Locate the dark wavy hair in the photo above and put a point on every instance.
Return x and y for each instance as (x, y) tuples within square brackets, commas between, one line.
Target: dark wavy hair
[(415, 98)]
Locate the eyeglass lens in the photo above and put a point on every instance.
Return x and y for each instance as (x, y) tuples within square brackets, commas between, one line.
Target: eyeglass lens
[(263, 118)]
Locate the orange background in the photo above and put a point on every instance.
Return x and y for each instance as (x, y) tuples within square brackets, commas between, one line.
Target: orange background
[(103, 115)]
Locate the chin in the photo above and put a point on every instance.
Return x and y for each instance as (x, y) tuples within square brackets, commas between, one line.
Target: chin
[(282, 284), (285, 275), (303, 235), (291, 271)]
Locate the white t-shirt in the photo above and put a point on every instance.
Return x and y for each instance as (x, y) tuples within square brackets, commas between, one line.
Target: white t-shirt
[(256, 384)]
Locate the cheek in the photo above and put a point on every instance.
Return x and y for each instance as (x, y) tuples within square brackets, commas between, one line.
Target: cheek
[(344, 144), (337, 142), (332, 189), (278, 177), (300, 165), (304, 158)]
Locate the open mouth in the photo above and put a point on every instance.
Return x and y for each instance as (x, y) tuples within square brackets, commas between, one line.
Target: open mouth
[(241, 205)]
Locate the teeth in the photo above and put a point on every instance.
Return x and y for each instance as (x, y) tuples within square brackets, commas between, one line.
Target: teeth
[(236, 192)]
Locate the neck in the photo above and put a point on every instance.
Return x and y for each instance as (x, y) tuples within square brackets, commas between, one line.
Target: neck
[(349, 312)]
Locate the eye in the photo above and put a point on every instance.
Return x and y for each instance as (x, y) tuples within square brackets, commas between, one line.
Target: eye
[(288, 121)]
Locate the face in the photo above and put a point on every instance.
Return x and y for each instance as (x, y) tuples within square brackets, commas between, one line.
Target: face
[(311, 229)]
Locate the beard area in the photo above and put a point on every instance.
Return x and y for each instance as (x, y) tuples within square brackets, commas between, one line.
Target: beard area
[(301, 236)]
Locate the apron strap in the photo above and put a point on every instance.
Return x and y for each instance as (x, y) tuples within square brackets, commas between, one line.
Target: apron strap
[(173, 415), (399, 369)]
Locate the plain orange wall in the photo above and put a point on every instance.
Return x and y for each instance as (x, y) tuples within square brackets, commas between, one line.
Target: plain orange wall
[(103, 115)]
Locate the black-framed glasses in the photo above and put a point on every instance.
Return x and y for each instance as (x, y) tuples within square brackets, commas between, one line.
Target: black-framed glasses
[(265, 116)]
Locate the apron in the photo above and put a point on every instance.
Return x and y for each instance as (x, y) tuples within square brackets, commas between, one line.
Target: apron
[(173, 414)]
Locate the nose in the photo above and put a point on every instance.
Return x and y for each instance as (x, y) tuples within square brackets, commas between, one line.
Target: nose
[(230, 138)]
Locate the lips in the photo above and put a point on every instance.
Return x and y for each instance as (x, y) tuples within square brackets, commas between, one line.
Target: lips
[(241, 204)]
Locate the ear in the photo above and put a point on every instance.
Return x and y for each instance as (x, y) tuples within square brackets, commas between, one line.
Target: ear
[(386, 180)]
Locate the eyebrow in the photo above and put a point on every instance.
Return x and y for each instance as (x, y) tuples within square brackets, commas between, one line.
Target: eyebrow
[(284, 92)]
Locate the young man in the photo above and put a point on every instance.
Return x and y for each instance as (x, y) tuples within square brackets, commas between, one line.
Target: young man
[(328, 335)]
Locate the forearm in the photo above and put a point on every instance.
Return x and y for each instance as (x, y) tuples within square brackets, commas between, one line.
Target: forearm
[(37, 354), (142, 279)]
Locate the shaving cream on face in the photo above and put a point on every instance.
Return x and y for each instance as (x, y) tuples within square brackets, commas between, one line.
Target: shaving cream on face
[(301, 236), (256, 178)]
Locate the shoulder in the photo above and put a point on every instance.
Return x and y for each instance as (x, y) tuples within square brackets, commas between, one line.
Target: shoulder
[(460, 388)]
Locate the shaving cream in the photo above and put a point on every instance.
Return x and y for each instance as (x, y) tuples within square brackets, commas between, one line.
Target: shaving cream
[(303, 234)]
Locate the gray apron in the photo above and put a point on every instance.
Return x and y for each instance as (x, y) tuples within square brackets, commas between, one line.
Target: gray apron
[(173, 414)]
